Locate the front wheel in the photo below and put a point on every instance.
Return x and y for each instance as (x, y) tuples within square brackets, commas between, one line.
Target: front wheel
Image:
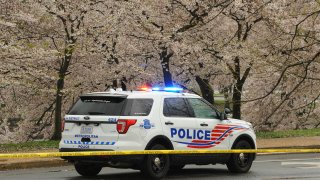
[(240, 162), (156, 166), (87, 170)]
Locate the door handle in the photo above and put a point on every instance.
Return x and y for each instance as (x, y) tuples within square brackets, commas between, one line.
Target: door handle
[(168, 123), (203, 124)]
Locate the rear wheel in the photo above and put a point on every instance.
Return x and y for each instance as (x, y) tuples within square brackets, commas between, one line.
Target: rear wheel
[(87, 169), (240, 163), (156, 166)]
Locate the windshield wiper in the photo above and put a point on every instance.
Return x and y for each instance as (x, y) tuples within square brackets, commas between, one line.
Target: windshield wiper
[(95, 113), (96, 100)]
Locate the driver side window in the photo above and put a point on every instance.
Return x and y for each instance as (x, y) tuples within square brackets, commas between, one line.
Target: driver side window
[(202, 109)]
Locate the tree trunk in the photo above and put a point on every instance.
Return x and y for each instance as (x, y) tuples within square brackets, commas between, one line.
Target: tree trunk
[(226, 97), (123, 83), (236, 100), (58, 109), (57, 115), (206, 89), (115, 84), (237, 88), (165, 63), (65, 62)]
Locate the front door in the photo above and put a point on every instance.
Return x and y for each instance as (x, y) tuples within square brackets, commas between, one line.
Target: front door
[(177, 121), (209, 126)]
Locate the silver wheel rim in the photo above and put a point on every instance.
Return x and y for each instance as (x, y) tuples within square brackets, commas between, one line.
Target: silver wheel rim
[(158, 163), (243, 159)]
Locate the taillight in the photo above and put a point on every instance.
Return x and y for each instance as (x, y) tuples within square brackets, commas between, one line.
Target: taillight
[(62, 125), (124, 124)]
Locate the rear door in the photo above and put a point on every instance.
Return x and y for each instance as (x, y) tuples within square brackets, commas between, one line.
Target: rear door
[(139, 110), (91, 122)]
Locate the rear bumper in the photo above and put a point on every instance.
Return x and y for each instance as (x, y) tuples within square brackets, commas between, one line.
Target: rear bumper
[(128, 160)]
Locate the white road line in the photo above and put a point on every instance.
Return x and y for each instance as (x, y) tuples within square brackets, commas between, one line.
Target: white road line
[(303, 165), (283, 160)]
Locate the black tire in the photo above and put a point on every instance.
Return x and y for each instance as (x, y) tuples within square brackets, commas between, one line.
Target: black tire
[(240, 162), (156, 166), (87, 170)]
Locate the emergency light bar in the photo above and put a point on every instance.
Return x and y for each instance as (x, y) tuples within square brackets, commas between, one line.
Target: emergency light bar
[(166, 89)]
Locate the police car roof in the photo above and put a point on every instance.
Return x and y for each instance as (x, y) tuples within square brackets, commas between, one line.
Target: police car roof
[(140, 94)]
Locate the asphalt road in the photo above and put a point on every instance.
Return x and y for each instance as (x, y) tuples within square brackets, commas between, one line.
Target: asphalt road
[(266, 167)]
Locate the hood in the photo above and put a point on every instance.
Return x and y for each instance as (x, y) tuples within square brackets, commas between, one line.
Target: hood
[(239, 122)]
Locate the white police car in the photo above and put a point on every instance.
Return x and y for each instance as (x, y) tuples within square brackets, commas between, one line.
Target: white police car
[(153, 120)]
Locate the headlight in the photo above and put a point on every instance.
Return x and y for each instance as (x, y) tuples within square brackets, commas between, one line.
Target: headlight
[(250, 125)]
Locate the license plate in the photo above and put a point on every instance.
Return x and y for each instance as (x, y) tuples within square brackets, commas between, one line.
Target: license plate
[(86, 130)]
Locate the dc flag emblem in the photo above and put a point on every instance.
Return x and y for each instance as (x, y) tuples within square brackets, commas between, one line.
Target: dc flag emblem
[(146, 124)]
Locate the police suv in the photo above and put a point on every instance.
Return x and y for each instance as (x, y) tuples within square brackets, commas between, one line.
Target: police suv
[(157, 119)]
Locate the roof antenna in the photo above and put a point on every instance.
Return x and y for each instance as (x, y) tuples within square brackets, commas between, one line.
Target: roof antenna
[(119, 90), (112, 90)]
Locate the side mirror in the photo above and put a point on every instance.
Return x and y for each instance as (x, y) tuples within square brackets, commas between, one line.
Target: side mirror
[(223, 116), (227, 111)]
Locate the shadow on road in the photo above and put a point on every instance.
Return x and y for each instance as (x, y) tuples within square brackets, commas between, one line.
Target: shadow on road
[(181, 174)]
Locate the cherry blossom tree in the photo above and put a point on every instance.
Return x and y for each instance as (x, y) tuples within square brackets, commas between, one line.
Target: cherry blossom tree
[(288, 75), (64, 29), (263, 54)]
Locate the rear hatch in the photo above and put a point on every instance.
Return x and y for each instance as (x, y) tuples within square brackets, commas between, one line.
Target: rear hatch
[(92, 121)]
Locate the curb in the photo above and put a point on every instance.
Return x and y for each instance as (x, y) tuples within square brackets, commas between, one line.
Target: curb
[(33, 164), (292, 147)]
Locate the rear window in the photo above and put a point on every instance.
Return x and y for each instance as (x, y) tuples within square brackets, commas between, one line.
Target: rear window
[(138, 107), (96, 105), (112, 106)]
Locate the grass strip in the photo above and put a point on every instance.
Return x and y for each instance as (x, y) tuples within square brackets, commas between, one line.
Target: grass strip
[(288, 133), (29, 146)]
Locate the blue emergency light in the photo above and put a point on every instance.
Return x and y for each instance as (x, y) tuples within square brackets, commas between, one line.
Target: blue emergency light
[(173, 89), (166, 89)]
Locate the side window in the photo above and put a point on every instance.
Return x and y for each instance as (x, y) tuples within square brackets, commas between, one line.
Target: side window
[(202, 109), (175, 107), (138, 107)]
